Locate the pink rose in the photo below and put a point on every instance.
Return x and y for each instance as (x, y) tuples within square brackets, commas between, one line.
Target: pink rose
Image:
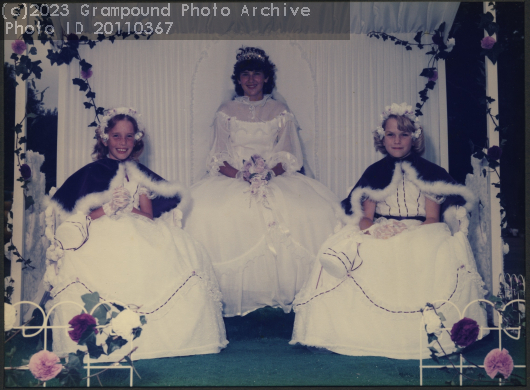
[(86, 74), (465, 332), (19, 46), (498, 362), (487, 42), (79, 324), (43, 365)]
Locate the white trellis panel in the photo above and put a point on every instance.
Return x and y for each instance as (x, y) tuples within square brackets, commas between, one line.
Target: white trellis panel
[(44, 327), (461, 366), (493, 137)]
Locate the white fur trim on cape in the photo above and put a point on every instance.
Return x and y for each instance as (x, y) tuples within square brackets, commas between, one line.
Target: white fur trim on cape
[(92, 201), (437, 188)]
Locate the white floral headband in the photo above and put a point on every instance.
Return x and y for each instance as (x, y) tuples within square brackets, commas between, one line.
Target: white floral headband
[(400, 110), (109, 114)]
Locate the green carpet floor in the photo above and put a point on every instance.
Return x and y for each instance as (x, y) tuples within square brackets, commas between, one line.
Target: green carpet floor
[(259, 355)]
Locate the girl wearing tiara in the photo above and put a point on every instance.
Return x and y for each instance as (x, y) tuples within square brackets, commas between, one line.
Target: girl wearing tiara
[(261, 221), (366, 295), (121, 238)]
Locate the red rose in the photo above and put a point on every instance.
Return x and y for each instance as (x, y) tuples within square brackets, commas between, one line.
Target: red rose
[(25, 171), (79, 324), (465, 332), (494, 153)]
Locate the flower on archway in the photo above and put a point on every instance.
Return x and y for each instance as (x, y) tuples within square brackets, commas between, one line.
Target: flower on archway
[(487, 42), (18, 46)]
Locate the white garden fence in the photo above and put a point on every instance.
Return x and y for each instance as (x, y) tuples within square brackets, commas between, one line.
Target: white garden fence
[(87, 361), (461, 366)]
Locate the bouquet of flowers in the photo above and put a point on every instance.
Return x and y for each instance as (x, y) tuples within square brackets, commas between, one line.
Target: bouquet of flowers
[(257, 173)]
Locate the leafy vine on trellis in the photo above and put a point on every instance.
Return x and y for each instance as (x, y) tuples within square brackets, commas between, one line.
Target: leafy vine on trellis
[(62, 52), (439, 51)]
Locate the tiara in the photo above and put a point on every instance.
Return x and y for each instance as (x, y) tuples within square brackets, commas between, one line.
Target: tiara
[(400, 110), (109, 114), (250, 53)]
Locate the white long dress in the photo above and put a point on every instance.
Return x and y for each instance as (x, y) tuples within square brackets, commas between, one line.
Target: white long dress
[(262, 251), (151, 265), (374, 309)]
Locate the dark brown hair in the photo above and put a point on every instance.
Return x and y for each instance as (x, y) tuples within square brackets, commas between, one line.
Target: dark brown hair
[(266, 66)]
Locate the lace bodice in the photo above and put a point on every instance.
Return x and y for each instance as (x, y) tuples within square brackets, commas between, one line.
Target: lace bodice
[(243, 128)]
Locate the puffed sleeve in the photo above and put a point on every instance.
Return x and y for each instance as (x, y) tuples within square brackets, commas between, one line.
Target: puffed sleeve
[(221, 149), (287, 149)]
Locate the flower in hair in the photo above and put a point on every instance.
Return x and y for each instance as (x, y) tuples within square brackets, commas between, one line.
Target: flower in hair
[(380, 131), (399, 110), (109, 114)]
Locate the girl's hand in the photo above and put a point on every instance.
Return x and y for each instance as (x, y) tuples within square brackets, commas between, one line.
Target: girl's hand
[(139, 212), (121, 201), (228, 170), (95, 214), (278, 169), (121, 197)]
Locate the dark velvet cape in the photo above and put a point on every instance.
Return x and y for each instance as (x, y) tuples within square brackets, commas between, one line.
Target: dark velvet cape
[(379, 175), (96, 177)]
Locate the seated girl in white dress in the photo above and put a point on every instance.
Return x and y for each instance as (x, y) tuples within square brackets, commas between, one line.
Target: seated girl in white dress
[(255, 213), (132, 250), (393, 256)]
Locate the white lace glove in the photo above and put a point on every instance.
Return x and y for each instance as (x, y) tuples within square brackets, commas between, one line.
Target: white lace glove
[(389, 229), (121, 202)]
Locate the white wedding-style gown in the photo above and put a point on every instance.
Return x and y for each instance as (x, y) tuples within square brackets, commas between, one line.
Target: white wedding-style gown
[(153, 267), (262, 249), (370, 302)]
